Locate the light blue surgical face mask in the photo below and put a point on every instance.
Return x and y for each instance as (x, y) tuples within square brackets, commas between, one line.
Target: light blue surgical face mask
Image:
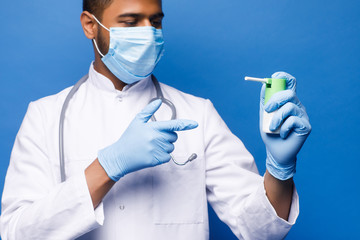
[(133, 52)]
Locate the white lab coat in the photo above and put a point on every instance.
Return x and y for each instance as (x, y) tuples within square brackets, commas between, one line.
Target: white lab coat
[(164, 202)]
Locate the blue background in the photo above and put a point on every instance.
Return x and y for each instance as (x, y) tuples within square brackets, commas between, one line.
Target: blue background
[(210, 46)]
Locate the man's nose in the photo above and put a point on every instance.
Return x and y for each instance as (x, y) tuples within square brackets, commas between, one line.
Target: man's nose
[(146, 23)]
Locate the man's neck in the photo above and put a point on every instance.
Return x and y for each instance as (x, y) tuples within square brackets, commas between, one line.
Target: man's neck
[(100, 67)]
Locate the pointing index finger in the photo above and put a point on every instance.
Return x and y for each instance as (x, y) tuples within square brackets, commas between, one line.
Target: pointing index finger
[(176, 125)]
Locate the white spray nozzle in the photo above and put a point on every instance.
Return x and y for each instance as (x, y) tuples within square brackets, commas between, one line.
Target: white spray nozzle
[(263, 80)]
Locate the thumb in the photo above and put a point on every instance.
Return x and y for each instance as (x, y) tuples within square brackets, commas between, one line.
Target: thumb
[(149, 110), (176, 125), (290, 80)]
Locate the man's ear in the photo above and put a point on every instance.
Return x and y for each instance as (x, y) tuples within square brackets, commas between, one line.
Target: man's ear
[(88, 24)]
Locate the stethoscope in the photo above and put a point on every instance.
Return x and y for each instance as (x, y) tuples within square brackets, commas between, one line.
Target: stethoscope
[(159, 95)]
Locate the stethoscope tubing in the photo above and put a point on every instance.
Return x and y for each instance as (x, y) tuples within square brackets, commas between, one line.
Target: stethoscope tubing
[(159, 95)]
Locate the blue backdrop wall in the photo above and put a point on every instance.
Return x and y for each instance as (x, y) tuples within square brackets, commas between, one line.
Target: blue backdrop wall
[(210, 46)]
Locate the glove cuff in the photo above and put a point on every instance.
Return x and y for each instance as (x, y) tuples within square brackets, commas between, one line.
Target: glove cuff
[(280, 171), (114, 172)]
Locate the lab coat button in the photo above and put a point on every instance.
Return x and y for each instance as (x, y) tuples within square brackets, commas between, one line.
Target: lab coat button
[(122, 207)]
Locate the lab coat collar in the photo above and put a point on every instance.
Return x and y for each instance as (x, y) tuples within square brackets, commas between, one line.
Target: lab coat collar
[(103, 83)]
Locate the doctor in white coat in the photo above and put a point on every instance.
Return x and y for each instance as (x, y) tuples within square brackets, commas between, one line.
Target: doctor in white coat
[(120, 180)]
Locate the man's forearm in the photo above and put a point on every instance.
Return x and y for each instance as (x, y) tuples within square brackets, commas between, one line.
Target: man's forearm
[(279, 194), (98, 182)]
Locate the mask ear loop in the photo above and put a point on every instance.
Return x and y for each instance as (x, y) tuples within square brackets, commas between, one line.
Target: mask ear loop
[(100, 23), (97, 48)]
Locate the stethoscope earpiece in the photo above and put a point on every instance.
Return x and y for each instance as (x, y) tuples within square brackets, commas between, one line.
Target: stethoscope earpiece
[(160, 95), (190, 159)]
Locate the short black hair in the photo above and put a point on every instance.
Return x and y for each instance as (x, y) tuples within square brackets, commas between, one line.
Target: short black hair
[(96, 7)]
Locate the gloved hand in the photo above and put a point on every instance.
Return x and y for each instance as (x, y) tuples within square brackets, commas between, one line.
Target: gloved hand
[(144, 144), (282, 150)]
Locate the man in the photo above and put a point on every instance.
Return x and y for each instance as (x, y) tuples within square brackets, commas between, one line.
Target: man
[(120, 180)]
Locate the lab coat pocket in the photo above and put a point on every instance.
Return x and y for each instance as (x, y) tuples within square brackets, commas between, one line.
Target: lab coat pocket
[(179, 193)]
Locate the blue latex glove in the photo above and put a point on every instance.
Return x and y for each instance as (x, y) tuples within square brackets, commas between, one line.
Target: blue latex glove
[(144, 144), (282, 150)]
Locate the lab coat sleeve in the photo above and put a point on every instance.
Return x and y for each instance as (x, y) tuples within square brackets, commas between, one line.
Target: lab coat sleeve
[(235, 190), (34, 206)]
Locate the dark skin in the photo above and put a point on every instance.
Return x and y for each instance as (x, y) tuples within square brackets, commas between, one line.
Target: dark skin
[(136, 13), (121, 13)]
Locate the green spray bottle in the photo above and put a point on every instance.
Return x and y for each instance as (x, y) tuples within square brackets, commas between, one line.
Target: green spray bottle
[(273, 85)]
